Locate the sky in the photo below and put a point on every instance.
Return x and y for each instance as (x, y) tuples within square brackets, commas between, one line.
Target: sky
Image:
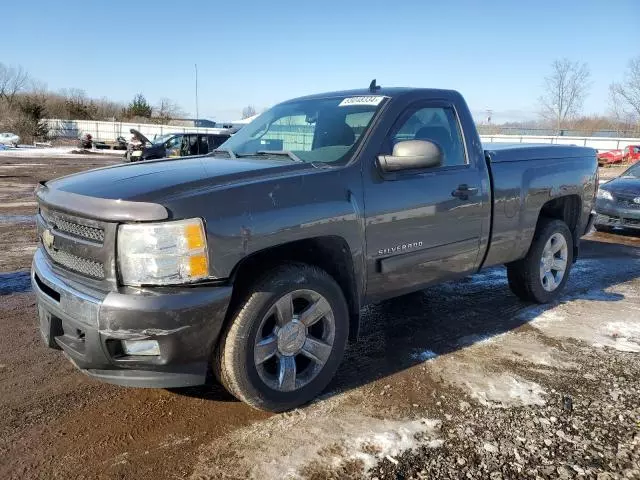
[(259, 53)]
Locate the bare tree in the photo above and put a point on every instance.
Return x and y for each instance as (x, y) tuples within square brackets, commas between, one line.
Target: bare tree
[(13, 80), (248, 111), (625, 96), (168, 110), (565, 90)]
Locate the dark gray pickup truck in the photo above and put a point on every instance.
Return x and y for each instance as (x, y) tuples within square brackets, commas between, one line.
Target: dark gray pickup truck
[(253, 262)]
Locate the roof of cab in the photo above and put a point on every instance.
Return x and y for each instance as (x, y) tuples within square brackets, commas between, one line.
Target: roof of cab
[(382, 91)]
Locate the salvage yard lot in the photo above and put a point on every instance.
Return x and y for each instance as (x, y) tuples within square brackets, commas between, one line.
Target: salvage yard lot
[(461, 380)]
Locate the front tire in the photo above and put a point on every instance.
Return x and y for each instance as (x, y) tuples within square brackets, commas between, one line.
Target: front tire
[(286, 341), (542, 275)]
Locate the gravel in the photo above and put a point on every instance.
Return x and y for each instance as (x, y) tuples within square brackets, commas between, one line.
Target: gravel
[(589, 428)]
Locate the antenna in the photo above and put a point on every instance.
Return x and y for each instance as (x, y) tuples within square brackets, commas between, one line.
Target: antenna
[(373, 88), (197, 112)]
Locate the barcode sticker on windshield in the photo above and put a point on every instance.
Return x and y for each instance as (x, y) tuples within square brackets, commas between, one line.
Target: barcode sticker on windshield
[(371, 100)]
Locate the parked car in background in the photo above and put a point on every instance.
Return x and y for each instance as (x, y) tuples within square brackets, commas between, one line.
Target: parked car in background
[(610, 157), (7, 138), (631, 154), (618, 202), (175, 144), (253, 263)]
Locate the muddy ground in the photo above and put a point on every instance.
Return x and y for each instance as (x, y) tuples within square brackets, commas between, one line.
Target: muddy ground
[(459, 381)]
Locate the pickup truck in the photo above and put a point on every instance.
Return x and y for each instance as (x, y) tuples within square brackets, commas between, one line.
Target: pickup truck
[(252, 263)]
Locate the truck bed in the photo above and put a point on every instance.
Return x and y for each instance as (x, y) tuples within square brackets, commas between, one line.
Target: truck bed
[(526, 177), (518, 152)]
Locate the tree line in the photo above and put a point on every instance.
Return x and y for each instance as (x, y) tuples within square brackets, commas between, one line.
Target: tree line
[(25, 102), (567, 86)]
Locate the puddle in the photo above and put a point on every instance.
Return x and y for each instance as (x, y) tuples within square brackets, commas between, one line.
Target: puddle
[(15, 282), (9, 219)]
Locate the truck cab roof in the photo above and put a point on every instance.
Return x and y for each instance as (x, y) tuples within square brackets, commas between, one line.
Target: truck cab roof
[(391, 92)]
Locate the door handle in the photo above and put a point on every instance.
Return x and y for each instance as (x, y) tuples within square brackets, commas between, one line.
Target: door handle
[(464, 191)]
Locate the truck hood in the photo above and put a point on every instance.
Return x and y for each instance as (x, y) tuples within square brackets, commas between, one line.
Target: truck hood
[(153, 181)]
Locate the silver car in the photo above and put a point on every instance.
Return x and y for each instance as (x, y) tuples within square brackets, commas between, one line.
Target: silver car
[(9, 139)]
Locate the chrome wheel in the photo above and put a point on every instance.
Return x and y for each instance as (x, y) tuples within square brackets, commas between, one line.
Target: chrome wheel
[(553, 263), (294, 341)]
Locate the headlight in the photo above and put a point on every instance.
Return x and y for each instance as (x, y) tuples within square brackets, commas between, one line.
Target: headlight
[(605, 194), (166, 253)]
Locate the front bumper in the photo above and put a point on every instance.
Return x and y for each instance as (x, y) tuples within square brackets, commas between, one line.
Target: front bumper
[(609, 213), (89, 325)]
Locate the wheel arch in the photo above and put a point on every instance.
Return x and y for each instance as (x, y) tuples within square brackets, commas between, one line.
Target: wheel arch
[(567, 208), (330, 253)]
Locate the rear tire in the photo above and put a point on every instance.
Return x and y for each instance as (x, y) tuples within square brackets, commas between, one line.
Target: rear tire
[(542, 275), (285, 342)]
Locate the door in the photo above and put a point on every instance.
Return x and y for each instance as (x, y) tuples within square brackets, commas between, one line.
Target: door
[(425, 225)]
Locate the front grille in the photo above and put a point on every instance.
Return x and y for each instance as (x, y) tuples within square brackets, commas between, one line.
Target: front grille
[(75, 263), (85, 232)]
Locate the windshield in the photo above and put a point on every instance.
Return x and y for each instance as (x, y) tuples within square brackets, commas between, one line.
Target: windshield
[(632, 172), (316, 130), (161, 138)]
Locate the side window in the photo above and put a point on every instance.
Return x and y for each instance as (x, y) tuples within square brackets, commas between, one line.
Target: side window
[(174, 142), (215, 141), (192, 144), (203, 144), (436, 124)]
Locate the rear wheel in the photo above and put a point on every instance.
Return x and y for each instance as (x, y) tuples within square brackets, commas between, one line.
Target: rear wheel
[(284, 345), (541, 276)]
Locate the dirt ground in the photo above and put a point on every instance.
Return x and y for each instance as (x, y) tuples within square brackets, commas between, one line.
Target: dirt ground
[(459, 381)]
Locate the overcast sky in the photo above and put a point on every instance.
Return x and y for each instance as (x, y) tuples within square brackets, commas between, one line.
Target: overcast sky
[(255, 52)]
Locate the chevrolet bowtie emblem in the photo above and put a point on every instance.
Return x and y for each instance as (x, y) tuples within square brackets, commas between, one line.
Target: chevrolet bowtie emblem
[(47, 239)]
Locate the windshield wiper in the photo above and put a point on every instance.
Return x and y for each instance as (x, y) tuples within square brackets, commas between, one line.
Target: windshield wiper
[(228, 151), (282, 153)]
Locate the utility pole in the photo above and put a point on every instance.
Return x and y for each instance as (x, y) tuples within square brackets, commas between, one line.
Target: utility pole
[(197, 112)]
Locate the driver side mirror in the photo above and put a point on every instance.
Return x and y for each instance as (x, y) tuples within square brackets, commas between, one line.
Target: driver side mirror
[(411, 155)]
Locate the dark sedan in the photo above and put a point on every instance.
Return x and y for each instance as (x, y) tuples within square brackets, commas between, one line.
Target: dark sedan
[(176, 144), (618, 203)]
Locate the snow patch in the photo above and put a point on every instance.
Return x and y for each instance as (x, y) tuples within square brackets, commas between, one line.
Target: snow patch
[(38, 152), (317, 439), (590, 320), (424, 355), (478, 339), (504, 390), (625, 336)]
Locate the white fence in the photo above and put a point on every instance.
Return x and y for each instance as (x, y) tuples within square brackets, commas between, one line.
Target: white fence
[(599, 143), (110, 131)]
